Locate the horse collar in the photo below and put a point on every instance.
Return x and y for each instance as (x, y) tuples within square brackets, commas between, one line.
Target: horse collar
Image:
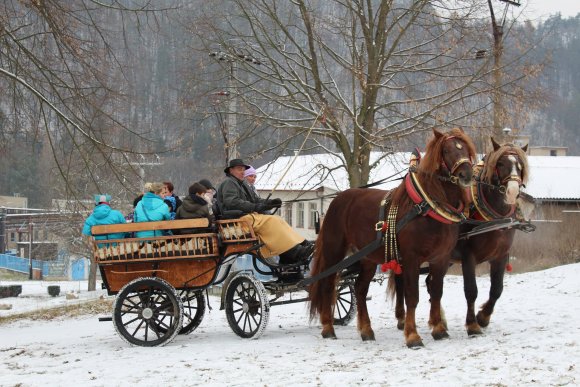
[(439, 213)]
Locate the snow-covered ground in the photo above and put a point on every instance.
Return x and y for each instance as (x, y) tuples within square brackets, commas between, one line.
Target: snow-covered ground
[(533, 339)]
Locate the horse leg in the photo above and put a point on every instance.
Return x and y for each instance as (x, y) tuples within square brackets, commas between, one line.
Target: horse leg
[(326, 312), (399, 301), (436, 322), (411, 281), (497, 271), (470, 290), (361, 289)]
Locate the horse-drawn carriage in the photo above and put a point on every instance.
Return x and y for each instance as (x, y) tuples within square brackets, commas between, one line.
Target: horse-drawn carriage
[(161, 281), (423, 221)]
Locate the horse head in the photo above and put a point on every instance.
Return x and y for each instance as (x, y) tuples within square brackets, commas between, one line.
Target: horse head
[(507, 167), (456, 154)]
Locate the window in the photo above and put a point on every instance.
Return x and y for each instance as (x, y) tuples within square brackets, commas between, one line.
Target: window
[(553, 152), (312, 209), (288, 213), (12, 237), (300, 215)]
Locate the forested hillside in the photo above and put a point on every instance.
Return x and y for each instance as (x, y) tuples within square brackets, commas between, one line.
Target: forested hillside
[(143, 82)]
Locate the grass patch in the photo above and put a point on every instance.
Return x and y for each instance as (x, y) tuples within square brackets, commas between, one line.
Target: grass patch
[(93, 307), (9, 275)]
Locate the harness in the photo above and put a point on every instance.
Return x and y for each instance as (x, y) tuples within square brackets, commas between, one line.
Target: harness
[(388, 227), (424, 205), (480, 208)]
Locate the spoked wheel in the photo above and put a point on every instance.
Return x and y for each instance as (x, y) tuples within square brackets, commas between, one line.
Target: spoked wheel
[(345, 307), (247, 306), (148, 312), (193, 310)]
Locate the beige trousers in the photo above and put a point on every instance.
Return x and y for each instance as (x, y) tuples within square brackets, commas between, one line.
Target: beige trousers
[(274, 232)]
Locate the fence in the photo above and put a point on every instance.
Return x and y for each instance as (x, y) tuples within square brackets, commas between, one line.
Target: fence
[(22, 265)]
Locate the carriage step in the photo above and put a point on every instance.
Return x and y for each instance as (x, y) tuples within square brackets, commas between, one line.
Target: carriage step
[(105, 319)]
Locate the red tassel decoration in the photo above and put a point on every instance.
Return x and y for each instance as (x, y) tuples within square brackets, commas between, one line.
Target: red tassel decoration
[(509, 267), (392, 265)]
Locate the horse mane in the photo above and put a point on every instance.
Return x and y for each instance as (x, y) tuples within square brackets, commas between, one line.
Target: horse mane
[(492, 158), (431, 163)]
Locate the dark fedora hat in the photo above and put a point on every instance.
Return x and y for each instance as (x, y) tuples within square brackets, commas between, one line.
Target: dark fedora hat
[(236, 163)]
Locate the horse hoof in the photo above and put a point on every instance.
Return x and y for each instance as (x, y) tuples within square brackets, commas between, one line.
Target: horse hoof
[(416, 344), (400, 325), (482, 320), (329, 335), (474, 333), (440, 335), (368, 337), (473, 329)]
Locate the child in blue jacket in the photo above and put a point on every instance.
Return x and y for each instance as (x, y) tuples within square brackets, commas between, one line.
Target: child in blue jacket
[(103, 214)]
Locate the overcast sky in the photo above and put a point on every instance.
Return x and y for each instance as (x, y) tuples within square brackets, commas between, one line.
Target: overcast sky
[(543, 8)]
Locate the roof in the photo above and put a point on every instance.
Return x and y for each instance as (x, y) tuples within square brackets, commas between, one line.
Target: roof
[(554, 177), (551, 177), (310, 172)]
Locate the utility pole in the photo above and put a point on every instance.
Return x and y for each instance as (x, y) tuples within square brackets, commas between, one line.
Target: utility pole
[(30, 233), (497, 96), (2, 231), (232, 124)]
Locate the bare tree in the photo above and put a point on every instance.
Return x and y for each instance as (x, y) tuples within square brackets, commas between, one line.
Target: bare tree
[(355, 75), (62, 84)]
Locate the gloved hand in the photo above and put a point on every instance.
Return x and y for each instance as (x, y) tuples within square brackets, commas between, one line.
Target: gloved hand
[(261, 207), (275, 202)]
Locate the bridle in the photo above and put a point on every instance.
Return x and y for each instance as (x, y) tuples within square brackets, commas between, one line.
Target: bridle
[(464, 160), (502, 183)]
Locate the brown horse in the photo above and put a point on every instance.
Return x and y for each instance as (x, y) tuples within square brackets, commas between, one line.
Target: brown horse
[(349, 225), (495, 189)]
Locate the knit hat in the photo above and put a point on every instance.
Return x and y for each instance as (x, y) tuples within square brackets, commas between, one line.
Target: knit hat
[(235, 163), (102, 198), (207, 184), (250, 172)]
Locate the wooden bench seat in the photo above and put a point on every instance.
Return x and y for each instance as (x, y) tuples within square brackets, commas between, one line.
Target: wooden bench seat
[(202, 245)]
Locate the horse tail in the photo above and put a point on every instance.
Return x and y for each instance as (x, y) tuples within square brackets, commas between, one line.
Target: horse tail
[(391, 286), (319, 295)]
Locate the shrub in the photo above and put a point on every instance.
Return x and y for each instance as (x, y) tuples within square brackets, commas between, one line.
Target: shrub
[(15, 290), (54, 290)]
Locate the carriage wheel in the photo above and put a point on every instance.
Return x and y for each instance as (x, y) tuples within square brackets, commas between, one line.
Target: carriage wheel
[(247, 306), (193, 310), (345, 307), (142, 307)]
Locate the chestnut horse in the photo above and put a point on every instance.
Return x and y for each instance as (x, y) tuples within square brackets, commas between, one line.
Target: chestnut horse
[(494, 192), (349, 225)]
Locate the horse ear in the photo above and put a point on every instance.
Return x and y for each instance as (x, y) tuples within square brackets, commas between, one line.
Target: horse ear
[(437, 133), (496, 146), (525, 148)]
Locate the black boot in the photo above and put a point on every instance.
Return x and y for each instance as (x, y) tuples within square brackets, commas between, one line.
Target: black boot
[(296, 254), (291, 256)]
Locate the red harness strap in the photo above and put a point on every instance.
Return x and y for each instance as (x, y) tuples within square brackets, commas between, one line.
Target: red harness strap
[(418, 199)]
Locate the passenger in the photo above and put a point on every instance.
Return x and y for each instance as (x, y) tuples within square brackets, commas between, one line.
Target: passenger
[(250, 175), (209, 195), (131, 215), (278, 237), (152, 208), (169, 188), (103, 214), (194, 206)]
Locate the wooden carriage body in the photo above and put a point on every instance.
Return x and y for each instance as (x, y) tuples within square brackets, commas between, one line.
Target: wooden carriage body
[(189, 261)]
